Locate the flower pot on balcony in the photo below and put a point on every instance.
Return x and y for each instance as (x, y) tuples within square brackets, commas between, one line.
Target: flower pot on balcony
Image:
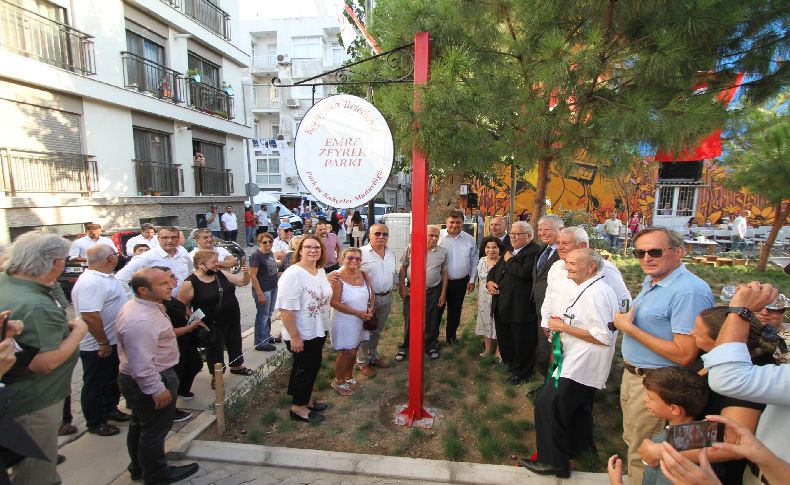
[(228, 91), (196, 78)]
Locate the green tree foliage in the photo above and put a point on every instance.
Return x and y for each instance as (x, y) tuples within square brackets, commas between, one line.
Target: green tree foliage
[(621, 74), (758, 157)]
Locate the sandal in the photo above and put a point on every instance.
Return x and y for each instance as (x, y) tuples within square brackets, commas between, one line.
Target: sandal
[(343, 389), (400, 355), (242, 371), (434, 354)]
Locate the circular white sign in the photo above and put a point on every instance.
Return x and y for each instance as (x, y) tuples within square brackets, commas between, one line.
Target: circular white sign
[(343, 151)]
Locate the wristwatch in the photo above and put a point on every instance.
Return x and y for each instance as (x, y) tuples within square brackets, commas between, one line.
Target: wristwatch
[(742, 312)]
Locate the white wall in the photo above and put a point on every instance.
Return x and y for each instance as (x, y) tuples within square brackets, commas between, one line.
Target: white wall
[(108, 137)]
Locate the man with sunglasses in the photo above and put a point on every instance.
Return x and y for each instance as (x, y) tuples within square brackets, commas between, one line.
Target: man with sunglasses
[(656, 330), (282, 243), (379, 264), (169, 253), (461, 269), (98, 297)]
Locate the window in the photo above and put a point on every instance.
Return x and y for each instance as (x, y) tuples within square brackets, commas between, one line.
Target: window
[(685, 201), (271, 54), (275, 131), (307, 48), (268, 169), (144, 68), (151, 146), (306, 92), (666, 196), (213, 152), (209, 72), (676, 200), (338, 54)]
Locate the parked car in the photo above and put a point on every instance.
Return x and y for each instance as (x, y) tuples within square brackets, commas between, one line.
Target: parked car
[(271, 201), (379, 211)]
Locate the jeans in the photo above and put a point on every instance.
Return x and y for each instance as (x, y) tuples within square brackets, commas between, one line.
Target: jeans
[(148, 427), (612, 240), (250, 235), (100, 392), (217, 234), (230, 235), (263, 316)]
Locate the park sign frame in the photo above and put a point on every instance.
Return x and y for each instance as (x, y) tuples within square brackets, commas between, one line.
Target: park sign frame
[(344, 151)]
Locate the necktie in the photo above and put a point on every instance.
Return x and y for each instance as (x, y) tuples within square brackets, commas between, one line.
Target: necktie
[(544, 257)]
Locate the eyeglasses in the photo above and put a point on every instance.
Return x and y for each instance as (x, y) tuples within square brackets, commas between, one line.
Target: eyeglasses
[(518, 234), (381, 234), (168, 237), (654, 253), (353, 258), (311, 248)]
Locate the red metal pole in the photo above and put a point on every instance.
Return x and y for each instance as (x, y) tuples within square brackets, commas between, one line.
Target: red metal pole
[(419, 234)]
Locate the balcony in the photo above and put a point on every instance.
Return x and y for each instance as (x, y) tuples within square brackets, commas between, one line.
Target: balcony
[(265, 98), (149, 77), (263, 65), (25, 171), (31, 35), (213, 181), (206, 14), (158, 178), (208, 99)]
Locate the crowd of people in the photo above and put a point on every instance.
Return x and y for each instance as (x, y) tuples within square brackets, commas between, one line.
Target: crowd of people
[(547, 305)]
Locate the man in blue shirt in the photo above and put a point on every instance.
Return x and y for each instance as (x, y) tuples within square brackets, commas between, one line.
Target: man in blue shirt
[(656, 330)]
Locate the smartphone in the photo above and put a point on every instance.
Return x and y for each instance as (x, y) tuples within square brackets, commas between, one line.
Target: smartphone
[(698, 434), (5, 328)]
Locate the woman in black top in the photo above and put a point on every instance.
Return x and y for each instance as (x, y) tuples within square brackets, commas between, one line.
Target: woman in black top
[(214, 292)]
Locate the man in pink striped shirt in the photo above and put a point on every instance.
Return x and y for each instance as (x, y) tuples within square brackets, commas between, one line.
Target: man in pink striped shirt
[(147, 351)]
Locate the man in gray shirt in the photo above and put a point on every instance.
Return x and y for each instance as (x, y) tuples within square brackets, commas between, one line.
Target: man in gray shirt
[(212, 222), (435, 293)]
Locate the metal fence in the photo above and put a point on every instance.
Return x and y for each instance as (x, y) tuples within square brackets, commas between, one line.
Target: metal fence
[(209, 99), (206, 14), (148, 76), (25, 171), (32, 35), (158, 178), (213, 181)]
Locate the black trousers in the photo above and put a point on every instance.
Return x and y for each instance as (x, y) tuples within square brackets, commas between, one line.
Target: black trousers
[(456, 291), (332, 267), (230, 235), (148, 427), (517, 343), (261, 229), (432, 318), (100, 392), (563, 421), (189, 364), (542, 352), (304, 370), (228, 336)]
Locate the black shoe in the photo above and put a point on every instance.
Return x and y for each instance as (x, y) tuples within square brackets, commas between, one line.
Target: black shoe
[(544, 469), (182, 416), (318, 406), (313, 417), (176, 473), (136, 474), (104, 429), (61, 459), (265, 347), (516, 380), (186, 395), (117, 416)]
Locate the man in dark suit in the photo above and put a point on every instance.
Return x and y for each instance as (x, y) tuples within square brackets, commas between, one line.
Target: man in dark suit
[(498, 229), (548, 232), (510, 283)]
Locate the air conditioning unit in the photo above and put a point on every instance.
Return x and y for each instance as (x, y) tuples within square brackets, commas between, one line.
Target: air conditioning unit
[(291, 102), (286, 137), (289, 180), (282, 59)]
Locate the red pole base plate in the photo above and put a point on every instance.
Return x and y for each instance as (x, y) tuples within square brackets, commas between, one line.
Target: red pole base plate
[(420, 418)]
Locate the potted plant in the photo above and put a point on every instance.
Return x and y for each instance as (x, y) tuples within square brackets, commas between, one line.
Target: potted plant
[(227, 88), (194, 74)]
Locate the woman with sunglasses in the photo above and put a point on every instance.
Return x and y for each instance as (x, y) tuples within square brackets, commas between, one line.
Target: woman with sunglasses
[(303, 296), (263, 275), (353, 300)]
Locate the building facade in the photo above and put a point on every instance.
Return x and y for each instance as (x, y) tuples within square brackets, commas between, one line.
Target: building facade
[(120, 112)]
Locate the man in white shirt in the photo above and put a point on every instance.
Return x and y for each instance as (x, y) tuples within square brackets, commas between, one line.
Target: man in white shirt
[(379, 264), (282, 243), (98, 297), (169, 254), (612, 228), (230, 224), (147, 236), (563, 408), (205, 241), (461, 269), (262, 220), (79, 248), (739, 227)]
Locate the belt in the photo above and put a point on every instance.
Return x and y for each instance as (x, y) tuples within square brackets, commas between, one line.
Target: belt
[(384, 294), (755, 469), (637, 371)]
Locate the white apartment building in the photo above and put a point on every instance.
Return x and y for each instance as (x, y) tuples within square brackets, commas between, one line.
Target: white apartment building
[(104, 105), (291, 49)]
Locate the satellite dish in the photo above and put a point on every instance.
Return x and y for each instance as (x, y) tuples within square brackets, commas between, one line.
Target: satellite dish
[(251, 189)]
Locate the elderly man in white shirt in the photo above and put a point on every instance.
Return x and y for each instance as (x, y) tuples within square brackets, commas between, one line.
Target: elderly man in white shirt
[(205, 241), (380, 266), (168, 254), (79, 248), (585, 345), (461, 269), (147, 236)]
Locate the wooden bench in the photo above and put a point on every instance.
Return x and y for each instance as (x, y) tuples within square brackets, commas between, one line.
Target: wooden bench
[(710, 263), (711, 257), (698, 259), (725, 262)]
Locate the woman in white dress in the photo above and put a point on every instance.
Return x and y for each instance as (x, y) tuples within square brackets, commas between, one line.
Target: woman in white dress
[(485, 320), (352, 300), (303, 296)]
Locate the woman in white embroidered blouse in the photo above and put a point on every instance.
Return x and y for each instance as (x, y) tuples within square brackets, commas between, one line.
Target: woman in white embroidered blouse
[(303, 296)]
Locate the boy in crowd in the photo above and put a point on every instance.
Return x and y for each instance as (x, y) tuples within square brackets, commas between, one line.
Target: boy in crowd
[(674, 394)]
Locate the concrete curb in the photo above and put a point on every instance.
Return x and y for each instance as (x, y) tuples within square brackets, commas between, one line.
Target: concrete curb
[(394, 467)]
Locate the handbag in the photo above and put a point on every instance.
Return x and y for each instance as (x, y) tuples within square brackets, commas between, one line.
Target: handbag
[(373, 322)]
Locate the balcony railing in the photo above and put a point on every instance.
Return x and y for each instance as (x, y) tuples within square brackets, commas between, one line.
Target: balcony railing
[(25, 171), (263, 97), (264, 63), (158, 178), (148, 76), (213, 181), (206, 14), (209, 99), (32, 35)]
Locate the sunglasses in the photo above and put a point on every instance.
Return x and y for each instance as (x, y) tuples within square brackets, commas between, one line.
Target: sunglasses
[(287, 230), (353, 258), (381, 234), (654, 253), (266, 241), (776, 310)]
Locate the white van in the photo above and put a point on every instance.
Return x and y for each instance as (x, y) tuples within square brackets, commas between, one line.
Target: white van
[(271, 201)]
